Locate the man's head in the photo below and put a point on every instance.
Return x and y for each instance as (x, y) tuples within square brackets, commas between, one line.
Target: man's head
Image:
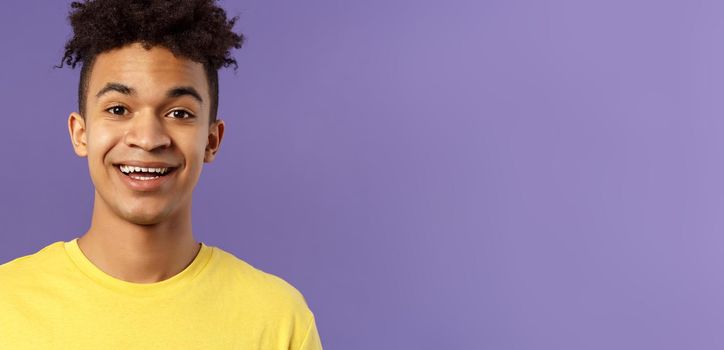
[(147, 104)]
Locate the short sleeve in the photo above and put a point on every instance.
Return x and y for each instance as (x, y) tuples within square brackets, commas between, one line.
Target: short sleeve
[(311, 339)]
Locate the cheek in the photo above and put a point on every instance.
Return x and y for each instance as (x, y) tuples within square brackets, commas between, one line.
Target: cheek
[(99, 142), (194, 147)]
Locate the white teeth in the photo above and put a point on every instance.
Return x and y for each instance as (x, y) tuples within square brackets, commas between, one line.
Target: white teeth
[(144, 178), (129, 169)]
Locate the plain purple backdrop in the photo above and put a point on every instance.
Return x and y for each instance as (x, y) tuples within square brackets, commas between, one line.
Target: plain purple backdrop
[(436, 174)]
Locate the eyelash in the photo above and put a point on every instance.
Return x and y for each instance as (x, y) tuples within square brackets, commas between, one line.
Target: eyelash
[(190, 115)]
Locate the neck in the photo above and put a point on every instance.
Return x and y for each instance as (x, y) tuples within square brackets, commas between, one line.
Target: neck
[(139, 253)]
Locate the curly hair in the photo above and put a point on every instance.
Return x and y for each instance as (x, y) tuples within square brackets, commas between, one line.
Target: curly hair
[(194, 29)]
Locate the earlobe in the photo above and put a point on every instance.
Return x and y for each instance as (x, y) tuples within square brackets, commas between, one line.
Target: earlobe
[(77, 131), (216, 133)]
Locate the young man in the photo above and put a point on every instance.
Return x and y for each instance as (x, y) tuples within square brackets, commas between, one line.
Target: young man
[(137, 279)]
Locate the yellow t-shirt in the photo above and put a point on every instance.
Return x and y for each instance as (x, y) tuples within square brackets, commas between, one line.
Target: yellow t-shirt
[(57, 299)]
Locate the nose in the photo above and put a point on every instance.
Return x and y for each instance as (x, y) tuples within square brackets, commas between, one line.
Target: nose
[(146, 131)]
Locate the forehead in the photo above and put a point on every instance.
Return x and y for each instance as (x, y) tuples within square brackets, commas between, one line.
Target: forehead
[(150, 72)]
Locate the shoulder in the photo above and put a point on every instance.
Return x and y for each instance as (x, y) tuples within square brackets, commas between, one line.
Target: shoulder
[(267, 300), (42, 260), (264, 287), (31, 269)]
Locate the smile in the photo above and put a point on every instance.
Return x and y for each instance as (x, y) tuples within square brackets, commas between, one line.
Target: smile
[(140, 173), (144, 179)]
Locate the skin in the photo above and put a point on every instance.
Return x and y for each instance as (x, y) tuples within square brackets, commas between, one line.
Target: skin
[(143, 236)]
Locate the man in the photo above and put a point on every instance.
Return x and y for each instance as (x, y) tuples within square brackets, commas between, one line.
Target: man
[(137, 279)]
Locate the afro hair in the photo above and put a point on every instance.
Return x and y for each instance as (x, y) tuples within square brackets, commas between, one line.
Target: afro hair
[(194, 29)]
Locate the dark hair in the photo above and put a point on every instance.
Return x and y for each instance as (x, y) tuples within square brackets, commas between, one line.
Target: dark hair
[(194, 29)]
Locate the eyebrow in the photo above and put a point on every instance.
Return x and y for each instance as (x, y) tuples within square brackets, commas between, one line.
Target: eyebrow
[(171, 93)]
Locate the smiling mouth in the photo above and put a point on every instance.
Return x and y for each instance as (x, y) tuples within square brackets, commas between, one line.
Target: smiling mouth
[(144, 174)]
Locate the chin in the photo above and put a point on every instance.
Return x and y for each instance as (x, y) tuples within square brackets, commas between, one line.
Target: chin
[(145, 217), (145, 221)]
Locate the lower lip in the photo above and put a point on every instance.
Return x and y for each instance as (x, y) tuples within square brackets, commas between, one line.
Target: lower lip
[(145, 185)]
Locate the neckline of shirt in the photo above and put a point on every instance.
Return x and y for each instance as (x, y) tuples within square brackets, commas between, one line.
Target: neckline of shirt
[(177, 281)]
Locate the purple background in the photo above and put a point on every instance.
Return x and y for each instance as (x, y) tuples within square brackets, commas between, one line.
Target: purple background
[(436, 174)]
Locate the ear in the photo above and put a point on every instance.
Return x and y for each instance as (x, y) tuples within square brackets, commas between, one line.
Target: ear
[(216, 133), (77, 130)]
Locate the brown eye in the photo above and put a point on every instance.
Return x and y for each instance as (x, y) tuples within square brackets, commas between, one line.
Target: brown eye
[(181, 114), (117, 110)]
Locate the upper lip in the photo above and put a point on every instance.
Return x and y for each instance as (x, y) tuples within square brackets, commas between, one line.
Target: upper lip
[(146, 164)]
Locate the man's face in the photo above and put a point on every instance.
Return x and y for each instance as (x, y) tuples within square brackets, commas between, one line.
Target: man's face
[(146, 109)]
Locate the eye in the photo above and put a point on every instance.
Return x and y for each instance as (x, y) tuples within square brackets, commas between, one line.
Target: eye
[(117, 110), (180, 114)]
